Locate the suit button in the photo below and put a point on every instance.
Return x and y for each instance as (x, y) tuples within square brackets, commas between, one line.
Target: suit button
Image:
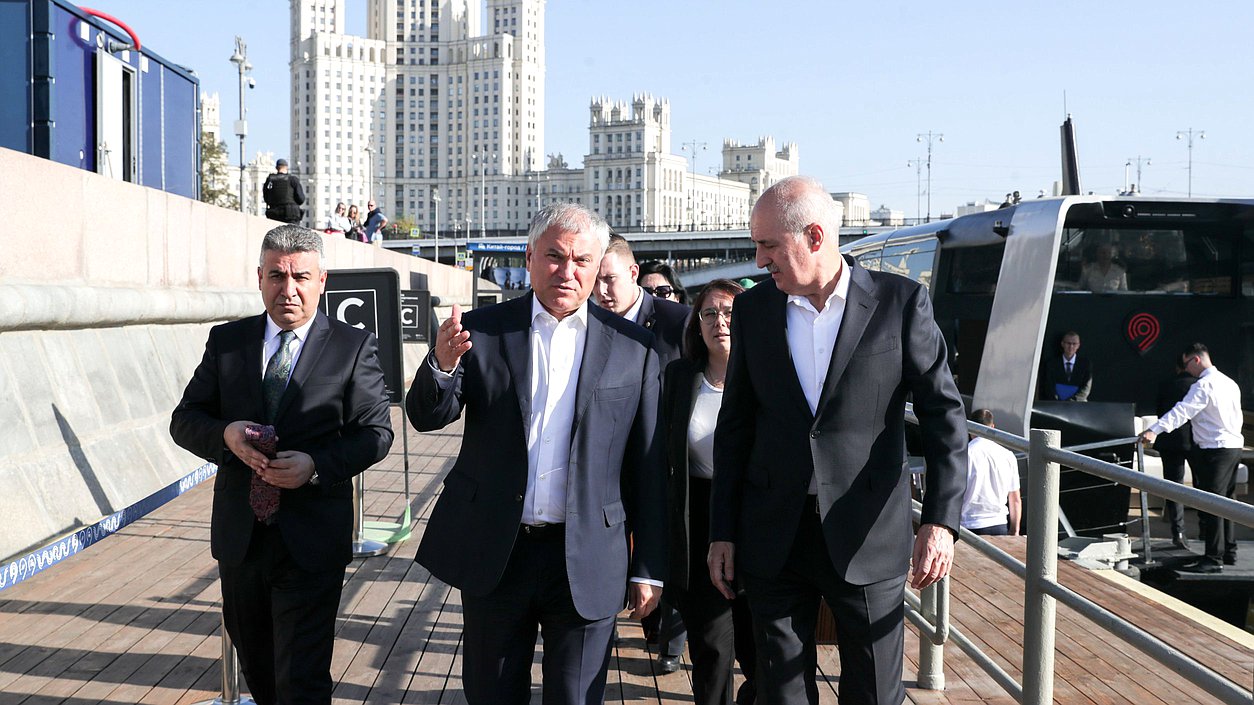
[(518, 498), (814, 434)]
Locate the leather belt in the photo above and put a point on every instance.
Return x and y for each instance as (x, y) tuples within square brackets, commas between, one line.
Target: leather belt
[(542, 532)]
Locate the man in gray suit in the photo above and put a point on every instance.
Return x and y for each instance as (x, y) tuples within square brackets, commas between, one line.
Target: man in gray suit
[(811, 492), (561, 459)]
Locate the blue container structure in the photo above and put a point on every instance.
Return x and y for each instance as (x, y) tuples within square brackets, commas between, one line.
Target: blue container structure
[(78, 92)]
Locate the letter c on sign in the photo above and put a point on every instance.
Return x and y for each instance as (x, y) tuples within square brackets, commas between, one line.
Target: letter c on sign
[(343, 308)]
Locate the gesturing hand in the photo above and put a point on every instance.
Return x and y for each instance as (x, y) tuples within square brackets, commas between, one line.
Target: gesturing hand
[(451, 341)]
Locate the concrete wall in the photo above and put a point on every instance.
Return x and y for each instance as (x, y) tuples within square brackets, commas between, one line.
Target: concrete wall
[(107, 292)]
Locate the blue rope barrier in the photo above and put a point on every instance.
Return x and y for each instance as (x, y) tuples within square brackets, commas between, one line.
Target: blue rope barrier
[(41, 559)]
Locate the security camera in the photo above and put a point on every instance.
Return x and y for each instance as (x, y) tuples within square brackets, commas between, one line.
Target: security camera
[(252, 83)]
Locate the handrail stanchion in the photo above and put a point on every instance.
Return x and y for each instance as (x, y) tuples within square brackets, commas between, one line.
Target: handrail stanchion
[(1145, 527), (934, 600), (230, 675), (362, 546), (1042, 565)]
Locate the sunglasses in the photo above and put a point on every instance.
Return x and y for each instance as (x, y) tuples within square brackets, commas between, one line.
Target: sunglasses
[(663, 291)]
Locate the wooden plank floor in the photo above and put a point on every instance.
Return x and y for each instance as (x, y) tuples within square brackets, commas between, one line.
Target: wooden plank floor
[(135, 619)]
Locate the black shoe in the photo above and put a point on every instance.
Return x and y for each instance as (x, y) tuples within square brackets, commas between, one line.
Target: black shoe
[(1230, 559), (668, 664), (1203, 567), (1179, 541)]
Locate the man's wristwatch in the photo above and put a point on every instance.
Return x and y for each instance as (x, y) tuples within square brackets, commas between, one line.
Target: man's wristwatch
[(313, 479)]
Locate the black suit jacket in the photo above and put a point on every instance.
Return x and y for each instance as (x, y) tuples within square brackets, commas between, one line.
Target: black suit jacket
[(677, 399), (335, 409), (1053, 372), (768, 443), (616, 458), (665, 319)]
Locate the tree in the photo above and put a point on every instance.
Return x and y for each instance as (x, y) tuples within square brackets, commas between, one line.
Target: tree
[(215, 173), (399, 229)]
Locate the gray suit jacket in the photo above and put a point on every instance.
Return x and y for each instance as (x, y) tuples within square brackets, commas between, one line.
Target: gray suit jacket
[(616, 484), (768, 443)]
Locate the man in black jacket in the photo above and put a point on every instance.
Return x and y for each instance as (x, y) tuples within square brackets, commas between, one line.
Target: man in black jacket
[(284, 195)]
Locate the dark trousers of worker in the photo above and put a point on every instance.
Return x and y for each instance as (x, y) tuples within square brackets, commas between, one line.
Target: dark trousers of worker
[(718, 629), (668, 625), (1173, 469), (994, 530), (869, 625), (1215, 470), (281, 619), (499, 638)]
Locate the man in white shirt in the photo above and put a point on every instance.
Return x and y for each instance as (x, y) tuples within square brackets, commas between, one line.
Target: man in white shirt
[(561, 456), (992, 505), (1213, 404)]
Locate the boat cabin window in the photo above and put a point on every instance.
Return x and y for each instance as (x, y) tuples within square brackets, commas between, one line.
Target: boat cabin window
[(913, 260), (1146, 261), (1247, 264), (974, 270)]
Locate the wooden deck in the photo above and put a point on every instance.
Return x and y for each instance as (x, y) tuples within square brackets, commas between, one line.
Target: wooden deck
[(135, 619)]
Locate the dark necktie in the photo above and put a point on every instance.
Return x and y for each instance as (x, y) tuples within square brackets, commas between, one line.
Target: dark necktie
[(262, 496), (1067, 365)]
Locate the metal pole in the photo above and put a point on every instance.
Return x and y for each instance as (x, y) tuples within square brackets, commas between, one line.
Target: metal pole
[(230, 675), (1042, 565), (363, 547), (483, 201), (935, 603), (1145, 528), (436, 197)]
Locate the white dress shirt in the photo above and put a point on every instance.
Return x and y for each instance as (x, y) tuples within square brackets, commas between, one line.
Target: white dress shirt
[(992, 474), (1213, 404), (811, 336), (270, 345), (556, 357), (633, 313)]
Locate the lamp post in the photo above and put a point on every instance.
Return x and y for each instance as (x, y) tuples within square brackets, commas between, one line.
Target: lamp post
[(918, 186), (240, 59), (930, 137), (1133, 188), (1181, 134), (435, 196), (481, 158), (691, 147)]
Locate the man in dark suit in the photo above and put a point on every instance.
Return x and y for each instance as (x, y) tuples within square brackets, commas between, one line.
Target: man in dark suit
[(561, 460), (282, 519), (1067, 377), (811, 492), (617, 291)]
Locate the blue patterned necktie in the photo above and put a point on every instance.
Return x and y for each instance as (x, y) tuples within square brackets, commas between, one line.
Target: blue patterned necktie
[(262, 496)]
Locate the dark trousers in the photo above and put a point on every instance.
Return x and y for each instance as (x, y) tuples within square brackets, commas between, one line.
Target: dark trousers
[(995, 530), (718, 630), (869, 620), (1173, 469), (1215, 470), (499, 638), (669, 626), (281, 619)]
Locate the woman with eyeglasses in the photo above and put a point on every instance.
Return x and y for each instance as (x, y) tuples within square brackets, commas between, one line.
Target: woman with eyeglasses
[(660, 280), (718, 630), (337, 222)]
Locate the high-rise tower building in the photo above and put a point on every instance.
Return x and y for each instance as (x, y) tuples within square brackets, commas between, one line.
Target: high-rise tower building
[(428, 100)]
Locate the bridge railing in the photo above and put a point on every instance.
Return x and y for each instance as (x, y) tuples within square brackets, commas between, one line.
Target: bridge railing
[(929, 611)]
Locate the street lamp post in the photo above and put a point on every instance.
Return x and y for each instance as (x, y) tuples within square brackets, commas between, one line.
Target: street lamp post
[(1131, 188), (918, 186), (691, 148), (481, 158), (240, 59), (1181, 134), (435, 196), (930, 137)]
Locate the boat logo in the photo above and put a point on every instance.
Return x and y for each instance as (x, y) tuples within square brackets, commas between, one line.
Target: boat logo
[(1142, 331)]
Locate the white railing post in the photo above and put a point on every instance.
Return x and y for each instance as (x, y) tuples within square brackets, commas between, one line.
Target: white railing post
[(230, 675), (934, 601), (362, 546), (1042, 565)]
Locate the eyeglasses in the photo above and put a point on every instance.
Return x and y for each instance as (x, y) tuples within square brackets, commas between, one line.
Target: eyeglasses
[(663, 291), (710, 316)]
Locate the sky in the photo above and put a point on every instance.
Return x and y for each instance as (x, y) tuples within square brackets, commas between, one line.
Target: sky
[(853, 84)]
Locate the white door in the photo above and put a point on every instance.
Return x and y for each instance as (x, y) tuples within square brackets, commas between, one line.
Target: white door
[(115, 117)]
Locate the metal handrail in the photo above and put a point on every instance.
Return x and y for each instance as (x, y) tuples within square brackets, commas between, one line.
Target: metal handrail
[(1042, 588)]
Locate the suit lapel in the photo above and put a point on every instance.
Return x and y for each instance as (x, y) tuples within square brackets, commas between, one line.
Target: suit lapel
[(516, 342), (596, 352), (315, 343), (645, 317), (777, 350), (859, 308), (253, 350)]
